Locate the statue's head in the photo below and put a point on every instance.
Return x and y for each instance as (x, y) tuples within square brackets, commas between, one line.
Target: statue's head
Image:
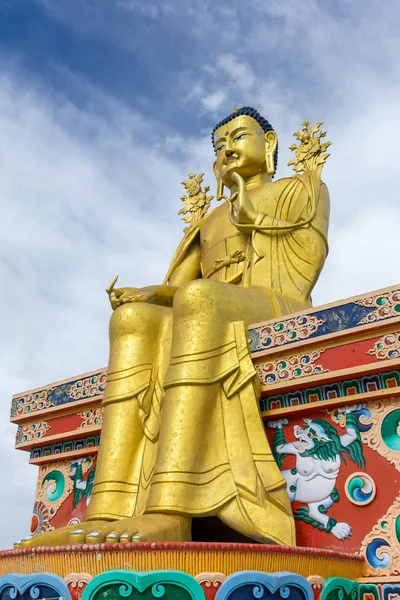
[(245, 143)]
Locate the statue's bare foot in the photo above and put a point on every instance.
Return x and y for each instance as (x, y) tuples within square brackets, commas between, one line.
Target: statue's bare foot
[(59, 537), (147, 528)]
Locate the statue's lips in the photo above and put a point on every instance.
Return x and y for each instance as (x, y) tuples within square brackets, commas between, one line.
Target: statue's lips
[(231, 159)]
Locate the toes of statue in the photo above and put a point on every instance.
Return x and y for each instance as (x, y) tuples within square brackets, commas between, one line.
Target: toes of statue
[(25, 542), (94, 537), (77, 536), (130, 536), (112, 537)]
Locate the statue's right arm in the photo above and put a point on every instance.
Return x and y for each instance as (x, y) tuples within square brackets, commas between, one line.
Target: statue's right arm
[(189, 268)]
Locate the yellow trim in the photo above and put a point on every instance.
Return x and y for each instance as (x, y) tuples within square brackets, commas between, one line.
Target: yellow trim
[(194, 561)]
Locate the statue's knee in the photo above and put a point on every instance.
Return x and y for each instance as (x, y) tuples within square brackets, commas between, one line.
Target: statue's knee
[(196, 295), (134, 317)]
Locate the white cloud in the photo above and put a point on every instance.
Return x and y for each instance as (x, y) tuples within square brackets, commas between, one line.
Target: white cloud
[(214, 100), (240, 72)]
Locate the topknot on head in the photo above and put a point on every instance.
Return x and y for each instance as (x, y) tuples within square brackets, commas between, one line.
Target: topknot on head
[(249, 112)]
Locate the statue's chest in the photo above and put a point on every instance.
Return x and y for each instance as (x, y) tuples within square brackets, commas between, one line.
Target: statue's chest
[(223, 248)]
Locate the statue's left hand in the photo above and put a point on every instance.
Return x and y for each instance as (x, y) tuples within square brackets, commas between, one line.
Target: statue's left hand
[(146, 294), (244, 207), (155, 294)]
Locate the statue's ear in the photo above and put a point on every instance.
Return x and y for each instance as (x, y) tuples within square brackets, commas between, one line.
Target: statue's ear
[(220, 185), (271, 141)]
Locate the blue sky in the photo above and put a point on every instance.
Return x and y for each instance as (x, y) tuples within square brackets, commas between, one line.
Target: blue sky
[(107, 105)]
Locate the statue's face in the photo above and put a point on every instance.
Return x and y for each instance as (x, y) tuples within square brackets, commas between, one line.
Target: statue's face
[(240, 148)]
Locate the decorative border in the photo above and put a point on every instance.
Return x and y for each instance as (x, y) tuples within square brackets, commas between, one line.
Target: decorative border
[(332, 319), (65, 447), (332, 391), (91, 418), (283, 332), (290, 367), (387, 347), (57, 394), (31, 432)]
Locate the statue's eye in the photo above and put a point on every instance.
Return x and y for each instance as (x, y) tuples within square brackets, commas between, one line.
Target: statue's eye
[(239, 137), (218, 148)]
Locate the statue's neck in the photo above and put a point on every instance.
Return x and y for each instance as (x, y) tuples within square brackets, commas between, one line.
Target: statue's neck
[(254, 182), (257, 180)]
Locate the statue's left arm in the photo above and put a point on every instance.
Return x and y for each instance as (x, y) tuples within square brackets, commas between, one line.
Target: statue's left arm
[(288, 237)]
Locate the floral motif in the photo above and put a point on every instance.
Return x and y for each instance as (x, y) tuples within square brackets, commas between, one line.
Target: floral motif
[(31, 432), (310, 154), (276, 334), (386, 305), (292, 367), (386, 347), (196, 203), (55, 395), (91, 418)]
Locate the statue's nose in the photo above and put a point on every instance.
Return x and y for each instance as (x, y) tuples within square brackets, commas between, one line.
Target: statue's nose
[(228, 147)]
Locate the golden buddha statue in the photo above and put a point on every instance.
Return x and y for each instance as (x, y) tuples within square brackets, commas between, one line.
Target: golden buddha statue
[(182, 433)]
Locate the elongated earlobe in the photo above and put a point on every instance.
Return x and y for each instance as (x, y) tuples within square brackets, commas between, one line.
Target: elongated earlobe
[(269, 162), (271, 142), (220, 185)]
